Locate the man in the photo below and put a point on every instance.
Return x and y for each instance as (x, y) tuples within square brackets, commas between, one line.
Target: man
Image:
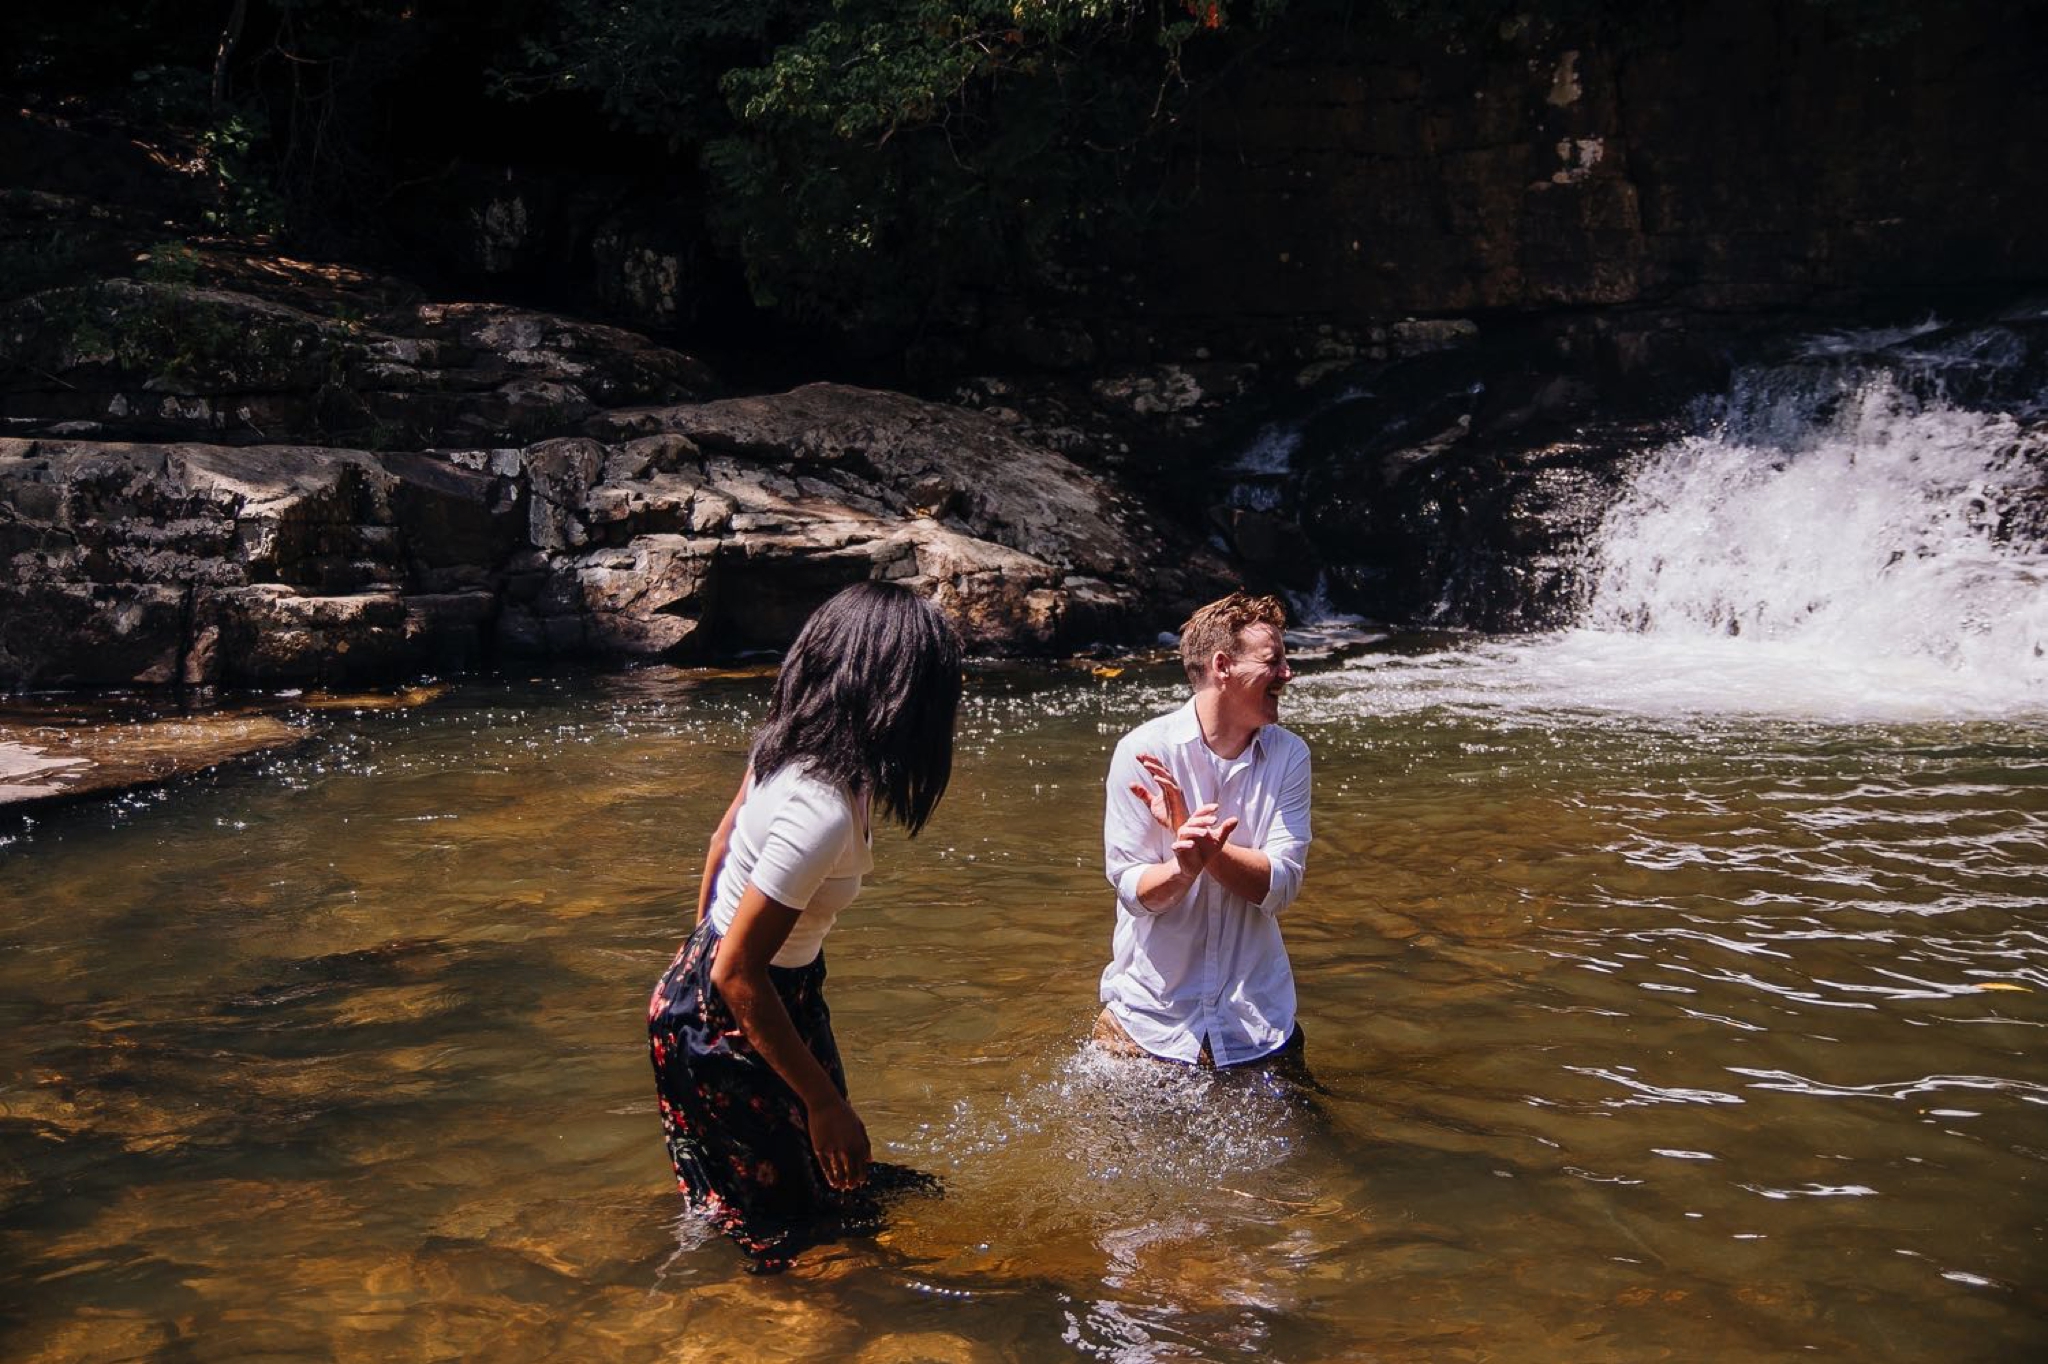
[(1205, 837)]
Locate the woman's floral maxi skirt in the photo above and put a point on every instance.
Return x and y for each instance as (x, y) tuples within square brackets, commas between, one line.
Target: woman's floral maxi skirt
[(736, 1131)]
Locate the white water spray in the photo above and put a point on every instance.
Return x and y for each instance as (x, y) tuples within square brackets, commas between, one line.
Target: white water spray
[(1843, 527), (1856, 536)]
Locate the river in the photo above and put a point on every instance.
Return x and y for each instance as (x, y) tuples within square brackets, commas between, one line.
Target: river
[(1675, 984), (1645, 1035)]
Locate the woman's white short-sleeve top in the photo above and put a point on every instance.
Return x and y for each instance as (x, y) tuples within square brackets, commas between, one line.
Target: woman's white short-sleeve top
[(803, 843)]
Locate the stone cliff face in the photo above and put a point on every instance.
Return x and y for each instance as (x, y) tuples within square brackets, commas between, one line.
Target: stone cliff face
[(1333, 179), (1709, 159)]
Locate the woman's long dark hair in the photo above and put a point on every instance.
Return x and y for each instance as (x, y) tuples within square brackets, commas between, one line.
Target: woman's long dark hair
[(866, 697)]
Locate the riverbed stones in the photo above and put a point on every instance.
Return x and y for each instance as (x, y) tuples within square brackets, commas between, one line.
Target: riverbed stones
[(925, 1347)]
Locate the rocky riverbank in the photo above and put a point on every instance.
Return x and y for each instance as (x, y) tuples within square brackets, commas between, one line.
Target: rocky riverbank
[(224, 467), (678, 530)]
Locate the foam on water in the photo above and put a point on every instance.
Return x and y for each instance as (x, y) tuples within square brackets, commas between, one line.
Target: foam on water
[(1869, 551), (1595, 674), (1865, 340)]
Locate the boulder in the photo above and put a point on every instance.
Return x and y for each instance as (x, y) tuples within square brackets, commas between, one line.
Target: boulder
[(683, 532), (195, 565)]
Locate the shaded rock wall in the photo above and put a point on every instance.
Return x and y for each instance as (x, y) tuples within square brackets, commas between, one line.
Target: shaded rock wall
[(1740, 156), (125, 360), (1697, 157)]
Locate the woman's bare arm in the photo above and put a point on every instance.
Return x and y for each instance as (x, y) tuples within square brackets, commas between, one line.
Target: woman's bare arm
[(721, 839), (740, 973)]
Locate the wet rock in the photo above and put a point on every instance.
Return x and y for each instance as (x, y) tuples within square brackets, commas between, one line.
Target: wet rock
[(731, 1321), (197, 565), (272, 633), (53, 751), (1161, 389), (1461, 487), (65, 634), (1272, 547), (924, 1347), (45, 761), (95, 1335), (1159, 431), (1420, 337)]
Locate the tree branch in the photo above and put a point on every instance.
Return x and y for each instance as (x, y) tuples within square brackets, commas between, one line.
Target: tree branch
[(229, 36)]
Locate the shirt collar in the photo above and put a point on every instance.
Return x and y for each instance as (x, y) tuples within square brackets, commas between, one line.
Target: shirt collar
[(1185, 727)]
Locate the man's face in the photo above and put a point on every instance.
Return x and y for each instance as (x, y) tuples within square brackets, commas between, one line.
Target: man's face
[(1254, 676)]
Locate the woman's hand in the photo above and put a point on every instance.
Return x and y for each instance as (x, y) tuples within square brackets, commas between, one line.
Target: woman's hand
[(841, 1140)]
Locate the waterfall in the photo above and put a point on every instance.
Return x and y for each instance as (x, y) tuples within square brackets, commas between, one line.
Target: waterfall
[(1879, 507)]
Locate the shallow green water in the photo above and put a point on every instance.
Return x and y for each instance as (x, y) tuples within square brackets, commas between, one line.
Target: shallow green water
[(1694, 1039)]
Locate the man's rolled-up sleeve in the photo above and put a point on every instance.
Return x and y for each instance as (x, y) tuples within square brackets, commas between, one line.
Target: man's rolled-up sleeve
[(1130, 836), (1287, 839)]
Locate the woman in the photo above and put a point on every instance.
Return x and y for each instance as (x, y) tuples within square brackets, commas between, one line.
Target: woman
[(753, 1097)]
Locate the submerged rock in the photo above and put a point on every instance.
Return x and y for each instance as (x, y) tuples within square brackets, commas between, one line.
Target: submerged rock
[(55, 760), (57, 751)]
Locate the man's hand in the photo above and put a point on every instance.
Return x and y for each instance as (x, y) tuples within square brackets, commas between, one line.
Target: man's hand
[(1196, 837), (1199, 838), (1168, 807)]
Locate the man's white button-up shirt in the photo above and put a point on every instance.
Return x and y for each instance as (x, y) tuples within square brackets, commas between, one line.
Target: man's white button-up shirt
[(1211, 965)]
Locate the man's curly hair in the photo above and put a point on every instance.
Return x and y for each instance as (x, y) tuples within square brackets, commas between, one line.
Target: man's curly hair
[(1215, 629)]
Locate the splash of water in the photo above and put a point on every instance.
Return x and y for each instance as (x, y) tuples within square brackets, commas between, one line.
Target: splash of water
[(1847, 525), (1860, 535), (1111, 1140)]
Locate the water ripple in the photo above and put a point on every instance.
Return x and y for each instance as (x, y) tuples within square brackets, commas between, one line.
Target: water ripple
[(1894, 1089)]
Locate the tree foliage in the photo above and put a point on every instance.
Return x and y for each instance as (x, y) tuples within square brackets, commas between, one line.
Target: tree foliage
[(869, 163), (872, 158)]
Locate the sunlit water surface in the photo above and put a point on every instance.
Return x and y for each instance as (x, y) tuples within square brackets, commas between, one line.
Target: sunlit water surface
[(1650, 1030)]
